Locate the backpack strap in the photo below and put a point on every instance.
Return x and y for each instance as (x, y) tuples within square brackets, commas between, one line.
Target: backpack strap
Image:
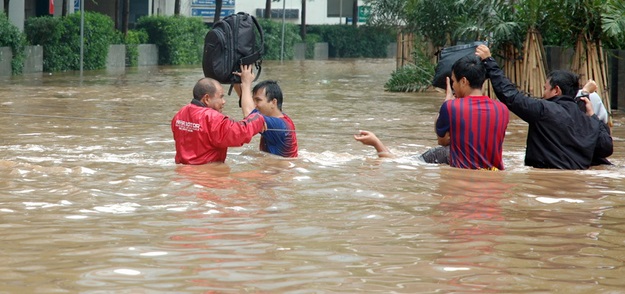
[(230, 92)]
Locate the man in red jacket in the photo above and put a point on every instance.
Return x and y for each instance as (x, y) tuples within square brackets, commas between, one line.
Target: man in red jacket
[(203, 134)]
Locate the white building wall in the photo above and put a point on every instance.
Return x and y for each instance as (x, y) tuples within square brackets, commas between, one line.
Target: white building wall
[(16, 13), (316, 10)]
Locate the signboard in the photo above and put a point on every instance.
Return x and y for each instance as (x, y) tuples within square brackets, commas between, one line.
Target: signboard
[(210, 12), (363, 13), (206, 9), (212, 3), (76, 5)]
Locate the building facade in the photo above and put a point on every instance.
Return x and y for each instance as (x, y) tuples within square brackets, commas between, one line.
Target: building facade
[(317, 11)]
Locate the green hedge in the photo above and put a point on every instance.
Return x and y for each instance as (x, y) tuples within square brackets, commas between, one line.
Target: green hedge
[(132, 41), (180, 40), (273, 39), (311, 39), (350, 41), (10, 36), (60, 39)]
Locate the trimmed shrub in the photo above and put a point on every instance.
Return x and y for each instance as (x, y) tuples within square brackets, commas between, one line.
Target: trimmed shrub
[(60, 39), (132, 41), (10, 36), (273, 39), (180, 40), (350, 41), (311, 39)]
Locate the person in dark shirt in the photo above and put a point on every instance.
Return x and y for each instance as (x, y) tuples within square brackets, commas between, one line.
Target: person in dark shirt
[(560, 135)]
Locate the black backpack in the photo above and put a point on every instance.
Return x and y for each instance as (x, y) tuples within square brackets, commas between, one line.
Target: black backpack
[(447, 57), (232, 43)]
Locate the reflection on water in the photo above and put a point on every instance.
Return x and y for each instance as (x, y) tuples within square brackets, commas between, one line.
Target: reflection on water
[(91, 200)]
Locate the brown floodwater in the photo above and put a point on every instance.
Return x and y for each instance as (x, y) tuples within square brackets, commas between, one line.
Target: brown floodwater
[(92, 202)]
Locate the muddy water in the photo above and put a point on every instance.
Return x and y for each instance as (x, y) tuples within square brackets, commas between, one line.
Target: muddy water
[(92, 202)]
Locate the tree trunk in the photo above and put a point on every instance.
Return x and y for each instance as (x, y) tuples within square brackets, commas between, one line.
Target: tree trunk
[(177, 7), (6, 7), (125, 13), (267, 9), (64, 9), (534, 66), (117, 15), (355, 13), (302, 28), (218, 4)]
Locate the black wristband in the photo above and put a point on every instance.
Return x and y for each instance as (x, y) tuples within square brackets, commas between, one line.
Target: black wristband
[(489, 58)]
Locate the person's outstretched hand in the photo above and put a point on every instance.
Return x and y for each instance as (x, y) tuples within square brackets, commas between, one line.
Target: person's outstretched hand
[(246, 74), (367, 138), (482, 51), (590, 87)]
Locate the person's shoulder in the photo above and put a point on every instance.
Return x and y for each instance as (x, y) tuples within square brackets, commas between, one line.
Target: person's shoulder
[(286, 116), (273, 119)]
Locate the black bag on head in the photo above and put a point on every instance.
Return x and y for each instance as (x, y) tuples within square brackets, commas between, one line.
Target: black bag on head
[(232, 43), (447, 57)]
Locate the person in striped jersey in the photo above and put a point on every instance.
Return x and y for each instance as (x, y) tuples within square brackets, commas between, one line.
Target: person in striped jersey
[(469, 124)]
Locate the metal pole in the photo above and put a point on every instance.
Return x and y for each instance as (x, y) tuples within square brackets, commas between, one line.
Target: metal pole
[(82, 34), (341, 12), (283, 26)]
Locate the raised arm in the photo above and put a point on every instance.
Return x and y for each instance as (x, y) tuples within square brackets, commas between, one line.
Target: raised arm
[(527, 108), (245, 91), (369, 138)]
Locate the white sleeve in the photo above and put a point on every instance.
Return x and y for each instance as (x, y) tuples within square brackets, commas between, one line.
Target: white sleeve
[(598, 107)]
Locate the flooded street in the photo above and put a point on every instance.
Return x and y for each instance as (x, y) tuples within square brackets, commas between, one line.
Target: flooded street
[(92, 202)]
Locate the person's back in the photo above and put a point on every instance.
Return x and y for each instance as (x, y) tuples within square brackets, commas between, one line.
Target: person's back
[(202, 134), (474, 123), (560, 135)]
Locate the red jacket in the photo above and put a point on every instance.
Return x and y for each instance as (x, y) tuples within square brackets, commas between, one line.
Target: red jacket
[(203, 135)]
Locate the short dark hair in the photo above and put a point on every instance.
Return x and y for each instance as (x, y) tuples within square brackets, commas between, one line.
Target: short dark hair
[(204, 86), (566, 80), (472, 68), (272, 91)]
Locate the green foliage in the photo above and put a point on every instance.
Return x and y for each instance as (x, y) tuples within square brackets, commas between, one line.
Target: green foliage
[(413, 77), (10, 36), (60, 39), (132, 41), (613, 20), (387, 13), (273, 39), (433, 19), (180, 40), (350, 41), (613, 23), (311, 39), (49, 32)]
